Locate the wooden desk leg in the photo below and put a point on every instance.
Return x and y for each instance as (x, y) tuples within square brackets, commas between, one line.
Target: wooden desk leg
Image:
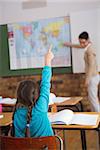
[(81, 105), (65, 139), (98, 134), (77, 108), (83, 139), (53, 108)]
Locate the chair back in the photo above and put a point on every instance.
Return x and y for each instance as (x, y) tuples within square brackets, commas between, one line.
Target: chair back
[(40, 143)]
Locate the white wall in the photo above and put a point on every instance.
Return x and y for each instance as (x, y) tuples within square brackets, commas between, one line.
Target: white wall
[(0, 13), (84, 16), (85, 21), (13, 10), (98, 39)]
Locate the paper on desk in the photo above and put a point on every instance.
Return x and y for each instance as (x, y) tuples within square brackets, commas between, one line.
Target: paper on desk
[(8, 101), (56, 99), (61, 99), (1, 116)]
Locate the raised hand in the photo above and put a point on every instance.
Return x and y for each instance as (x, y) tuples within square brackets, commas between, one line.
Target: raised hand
[(49, 56)]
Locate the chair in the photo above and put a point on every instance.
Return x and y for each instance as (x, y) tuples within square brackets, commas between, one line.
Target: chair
[(40, 143)]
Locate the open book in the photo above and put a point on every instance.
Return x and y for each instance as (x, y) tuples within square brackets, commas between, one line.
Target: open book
[(69, 117), (56, 99)]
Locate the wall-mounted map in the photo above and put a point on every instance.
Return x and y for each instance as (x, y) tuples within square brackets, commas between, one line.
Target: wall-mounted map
[(29, 41)]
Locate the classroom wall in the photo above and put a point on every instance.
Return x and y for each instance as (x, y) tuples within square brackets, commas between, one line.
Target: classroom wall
[(13, 10), (85, 21), (84, 16), (62, 85), (0, 13), (98, 39)]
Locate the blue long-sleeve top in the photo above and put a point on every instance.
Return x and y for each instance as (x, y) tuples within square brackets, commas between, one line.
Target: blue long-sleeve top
[(39, 123)]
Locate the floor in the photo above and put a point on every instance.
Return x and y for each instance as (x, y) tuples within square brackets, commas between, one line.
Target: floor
[(74, 140)]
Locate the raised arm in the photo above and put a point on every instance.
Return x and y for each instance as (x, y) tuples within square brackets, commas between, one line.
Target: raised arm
[(42, 103), (69, 44)]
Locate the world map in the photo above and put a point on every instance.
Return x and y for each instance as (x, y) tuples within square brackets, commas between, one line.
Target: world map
[(29, 42)]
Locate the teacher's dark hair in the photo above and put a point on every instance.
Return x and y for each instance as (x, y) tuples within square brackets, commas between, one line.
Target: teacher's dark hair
[(84, 35)]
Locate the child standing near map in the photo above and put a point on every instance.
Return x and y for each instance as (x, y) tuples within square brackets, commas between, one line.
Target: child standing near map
[(31, 109)]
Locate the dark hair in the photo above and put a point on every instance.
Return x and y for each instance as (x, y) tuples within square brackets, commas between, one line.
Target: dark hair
[(27, 92), (84, 35), (27, 95)]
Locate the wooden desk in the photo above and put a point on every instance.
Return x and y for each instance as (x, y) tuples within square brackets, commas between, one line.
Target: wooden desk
[(8, 102), (6, 120), (82, 128), (5, 123), (73, 101), (8, 105)]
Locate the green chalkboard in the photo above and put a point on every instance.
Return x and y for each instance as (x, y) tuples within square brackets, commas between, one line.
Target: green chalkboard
[(5, 61)]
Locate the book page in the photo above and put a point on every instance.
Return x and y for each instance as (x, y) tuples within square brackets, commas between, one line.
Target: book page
[(56, 99), (84, 119), (61, 117)]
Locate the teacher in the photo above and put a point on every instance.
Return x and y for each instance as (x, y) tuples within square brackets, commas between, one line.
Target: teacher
[(92, 77)]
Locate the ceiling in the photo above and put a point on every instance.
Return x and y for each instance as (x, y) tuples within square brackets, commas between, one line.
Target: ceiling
[(51, 1)]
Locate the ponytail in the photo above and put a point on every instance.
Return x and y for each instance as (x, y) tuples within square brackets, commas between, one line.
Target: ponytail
[(29, 115)]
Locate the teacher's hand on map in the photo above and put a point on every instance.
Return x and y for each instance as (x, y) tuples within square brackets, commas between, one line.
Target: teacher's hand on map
[(67, 44)]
